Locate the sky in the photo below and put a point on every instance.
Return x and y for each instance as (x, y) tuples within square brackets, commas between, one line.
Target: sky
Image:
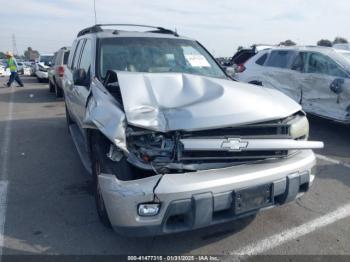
[(221, 26)]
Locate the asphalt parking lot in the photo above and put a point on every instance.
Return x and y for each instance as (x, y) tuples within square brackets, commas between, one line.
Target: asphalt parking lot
[(47, 206)]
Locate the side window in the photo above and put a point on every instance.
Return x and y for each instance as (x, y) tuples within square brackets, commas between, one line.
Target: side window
[(77, 54), (335, 70), (321, 64), (65, 57), (299, 62), (317, 64), (261, 60), (85, 61), (58, 58), (71, 54), (280, 58)]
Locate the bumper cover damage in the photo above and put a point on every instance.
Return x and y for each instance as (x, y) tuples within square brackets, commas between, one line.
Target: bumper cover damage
[(194, 200)]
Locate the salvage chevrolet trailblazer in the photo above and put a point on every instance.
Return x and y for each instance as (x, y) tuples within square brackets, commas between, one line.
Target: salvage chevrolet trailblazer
[(174, 144)]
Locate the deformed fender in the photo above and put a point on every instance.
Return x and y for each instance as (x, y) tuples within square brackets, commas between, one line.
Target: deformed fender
[(103, 112)]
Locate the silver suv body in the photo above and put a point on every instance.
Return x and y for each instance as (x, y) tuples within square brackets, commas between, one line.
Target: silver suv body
[(172, 143)]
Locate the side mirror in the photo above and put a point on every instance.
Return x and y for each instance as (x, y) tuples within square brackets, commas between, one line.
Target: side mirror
[(80, 77), (337, 85)]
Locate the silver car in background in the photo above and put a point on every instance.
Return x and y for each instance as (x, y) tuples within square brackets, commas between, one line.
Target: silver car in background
[(172, 143), (318, 78), (56, 71)]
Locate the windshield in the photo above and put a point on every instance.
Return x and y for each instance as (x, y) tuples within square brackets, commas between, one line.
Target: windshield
[(156, 55), (46, 58)]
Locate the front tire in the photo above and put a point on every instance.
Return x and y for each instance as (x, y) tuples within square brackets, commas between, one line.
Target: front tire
[(102, 164), (100, 204), (97, 161)]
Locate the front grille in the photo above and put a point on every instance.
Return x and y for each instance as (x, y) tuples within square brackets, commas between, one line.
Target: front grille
[(226, 156), (267, 130)]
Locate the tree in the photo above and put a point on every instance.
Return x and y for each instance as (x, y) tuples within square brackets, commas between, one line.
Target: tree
[(324, 42), (288, 43), (31, 54), (340, 40)]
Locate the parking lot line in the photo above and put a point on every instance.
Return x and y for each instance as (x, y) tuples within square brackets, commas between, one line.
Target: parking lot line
[(4, 169), (278, 239), (331, 160)]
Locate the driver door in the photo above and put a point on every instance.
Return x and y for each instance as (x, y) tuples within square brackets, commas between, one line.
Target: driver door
[(317, 95)]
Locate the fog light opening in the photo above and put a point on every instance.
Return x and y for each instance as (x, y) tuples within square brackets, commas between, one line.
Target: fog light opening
[(148, 209)]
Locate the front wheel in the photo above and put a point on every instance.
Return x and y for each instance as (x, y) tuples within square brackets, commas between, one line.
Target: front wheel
[(97, 161), (102, 164), (100, 204)]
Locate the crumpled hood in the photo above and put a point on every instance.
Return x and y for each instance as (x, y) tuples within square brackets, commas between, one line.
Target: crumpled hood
[(175, 101)]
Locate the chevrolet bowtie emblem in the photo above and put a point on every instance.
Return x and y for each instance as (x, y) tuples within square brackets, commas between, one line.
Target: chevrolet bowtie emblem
[(234, 144)]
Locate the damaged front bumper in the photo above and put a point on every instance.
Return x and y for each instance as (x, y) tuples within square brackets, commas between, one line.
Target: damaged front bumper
[(198, 199)]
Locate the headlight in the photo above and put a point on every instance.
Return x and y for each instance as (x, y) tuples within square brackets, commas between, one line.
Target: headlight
[(299, 127)]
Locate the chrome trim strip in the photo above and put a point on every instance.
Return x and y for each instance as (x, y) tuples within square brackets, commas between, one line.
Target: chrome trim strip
[(237, 144)]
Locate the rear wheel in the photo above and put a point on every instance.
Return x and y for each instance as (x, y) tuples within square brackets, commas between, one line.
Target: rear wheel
[(58, 91), (68, 118)]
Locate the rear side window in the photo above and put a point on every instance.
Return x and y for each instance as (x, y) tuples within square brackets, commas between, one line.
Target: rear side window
[(85, 61), (77, 54), (261, 60), (280, 58), (299, 62), (65, 57)]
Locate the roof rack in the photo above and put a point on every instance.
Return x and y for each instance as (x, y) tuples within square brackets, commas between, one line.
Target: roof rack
[(98, 28)]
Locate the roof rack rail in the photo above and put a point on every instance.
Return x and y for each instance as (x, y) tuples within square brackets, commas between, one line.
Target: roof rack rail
[(98, 28)]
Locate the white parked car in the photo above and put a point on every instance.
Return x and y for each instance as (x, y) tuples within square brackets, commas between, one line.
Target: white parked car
[(42, 67), (4, 72), (316, 77)]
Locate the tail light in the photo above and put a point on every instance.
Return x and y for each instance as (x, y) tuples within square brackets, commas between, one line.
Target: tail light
[(60, 70), (240, 68)]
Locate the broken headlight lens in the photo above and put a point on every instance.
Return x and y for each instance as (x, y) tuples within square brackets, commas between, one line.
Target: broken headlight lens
[(299, 127)]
